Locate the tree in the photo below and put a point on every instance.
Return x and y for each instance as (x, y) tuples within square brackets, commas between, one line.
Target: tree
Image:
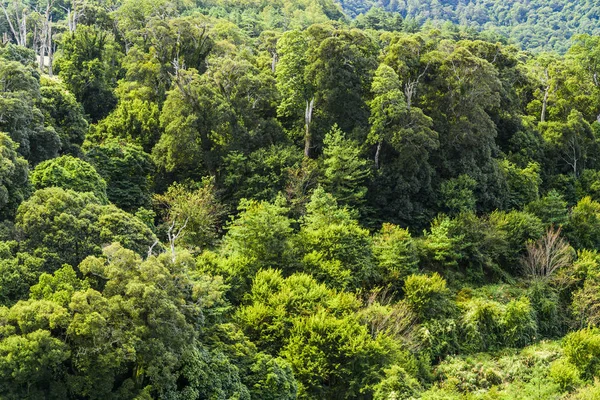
[(523, 184), (127, 170), (569, 142), (198, 123), (62, 111), (18, 272), (68, 172), (196, 212), (21, 119), (396, 254), (395, 122), (345, 171), (292, 82), (335, 248), (340, 67), (551, 209), (467, 88), (261, 233), (316, 85), (274, 303), (14, 182), (583, 224), (547, 255), (317, 330), (64, 226), (135, 329), (89, 66)]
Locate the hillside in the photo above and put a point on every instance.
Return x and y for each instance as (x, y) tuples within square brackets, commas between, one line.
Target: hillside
[(268, 200), (533, 24)]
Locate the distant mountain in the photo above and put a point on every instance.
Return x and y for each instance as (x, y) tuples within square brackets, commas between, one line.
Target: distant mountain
[(533, 24)]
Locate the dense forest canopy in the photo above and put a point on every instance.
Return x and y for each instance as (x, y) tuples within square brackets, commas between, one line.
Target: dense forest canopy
[(533, 24), (293, 199)]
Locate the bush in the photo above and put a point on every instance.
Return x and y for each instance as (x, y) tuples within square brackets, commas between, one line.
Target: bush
[(520, 326), (564, 374), (582, 349), (588, 393), (545, 302), (396, 255), (428, 296), (397, 384), (482, 325)]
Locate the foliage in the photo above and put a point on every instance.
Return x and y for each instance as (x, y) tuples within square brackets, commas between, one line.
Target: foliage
[(396, 255), (89, 66), (14, 183), (311, 199), (581, 349), (427, 295), (535, 25), (198, 212), (345, 171), (64, 226), (70, 173), (127, 171)]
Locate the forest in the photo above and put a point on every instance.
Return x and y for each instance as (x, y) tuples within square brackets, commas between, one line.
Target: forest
[(227, 199), (538, 25)]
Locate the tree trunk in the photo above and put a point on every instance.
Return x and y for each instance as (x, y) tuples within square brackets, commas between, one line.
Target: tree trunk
[(546, 94), (545, 103), (274, 61), (50, 52), (377, 153), (307, 120)]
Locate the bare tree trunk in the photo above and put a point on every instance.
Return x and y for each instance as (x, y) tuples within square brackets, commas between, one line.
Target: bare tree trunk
[(23, 30), (409, 89), (50, 50), (42, 48), (545, 104), (12, 28), (377, 153), (19, 28), (274, 61), (546, 94), (307, 120)]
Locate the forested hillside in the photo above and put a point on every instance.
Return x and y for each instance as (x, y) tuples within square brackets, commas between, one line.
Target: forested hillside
[(532, 24), (271, 200)]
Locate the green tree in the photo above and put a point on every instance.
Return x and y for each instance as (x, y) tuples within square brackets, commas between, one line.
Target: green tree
[(62, 111), (583, 224), (551, 209), (334, 247), (89, 66), (127, 170), (14, 173), (63, 226), (196, 212), (21, 119), (68, 172), (396, 254), (345, 171), (198, 123), (262, 233), (523, 184)]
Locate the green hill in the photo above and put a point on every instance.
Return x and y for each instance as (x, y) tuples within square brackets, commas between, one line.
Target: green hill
[(533, 24)]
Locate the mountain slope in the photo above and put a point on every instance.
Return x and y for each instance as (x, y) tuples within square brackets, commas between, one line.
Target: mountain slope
[(533, 24)]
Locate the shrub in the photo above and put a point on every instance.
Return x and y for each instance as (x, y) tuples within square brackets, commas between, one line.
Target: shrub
[(564, 374), (582, 349), (428, 296)]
